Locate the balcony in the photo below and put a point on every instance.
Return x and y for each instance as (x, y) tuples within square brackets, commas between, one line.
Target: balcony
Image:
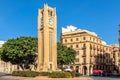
[(113, 62), (94, 48), (114, 51), (97, 63), (84, 55), (91, 62), (98, 49), (84, 47), (108, 64), (83, 63), (91, 55), (95, 56)]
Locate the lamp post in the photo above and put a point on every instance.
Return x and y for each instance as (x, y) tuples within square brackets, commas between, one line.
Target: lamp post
[(119, 46)]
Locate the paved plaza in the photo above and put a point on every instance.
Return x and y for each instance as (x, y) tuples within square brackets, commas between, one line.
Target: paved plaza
[(104, 78), (4, 76), (38, 78)]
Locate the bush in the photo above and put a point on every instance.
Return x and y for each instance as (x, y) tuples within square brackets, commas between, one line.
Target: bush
[(73, 74), (25, 73), (78, 74), (60, 75), (44, 73)]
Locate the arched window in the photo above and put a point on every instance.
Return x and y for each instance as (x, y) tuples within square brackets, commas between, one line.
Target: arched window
[(71, 67), (50, 13), (90, 46)]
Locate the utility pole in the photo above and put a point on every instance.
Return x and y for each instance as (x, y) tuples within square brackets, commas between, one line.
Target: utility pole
[(119, 45)]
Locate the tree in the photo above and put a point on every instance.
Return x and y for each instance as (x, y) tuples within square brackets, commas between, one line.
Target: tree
[(21, 51), (65, 55)]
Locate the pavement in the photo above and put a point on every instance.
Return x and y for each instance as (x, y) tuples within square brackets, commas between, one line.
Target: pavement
[(104, 78), (5, 76), (8, 77)]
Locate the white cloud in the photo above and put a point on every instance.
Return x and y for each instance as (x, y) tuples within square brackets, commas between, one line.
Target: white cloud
[(1, 43), (73, 28), (104, 43), (69, 29)]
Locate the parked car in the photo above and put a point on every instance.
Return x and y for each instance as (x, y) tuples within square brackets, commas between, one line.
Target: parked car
[(67, 70)]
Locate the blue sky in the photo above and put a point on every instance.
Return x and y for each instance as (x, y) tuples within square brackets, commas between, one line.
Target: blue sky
[(19, 17)]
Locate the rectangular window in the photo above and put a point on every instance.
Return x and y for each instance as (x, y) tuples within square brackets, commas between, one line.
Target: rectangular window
[(77, 39), (77, 59), (77, 52), (50, 13), (71, 40), (65, 40), (84, 38)]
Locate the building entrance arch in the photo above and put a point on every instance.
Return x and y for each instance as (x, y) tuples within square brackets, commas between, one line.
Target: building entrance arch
[(77, 69), (90, 70), (84, 70)]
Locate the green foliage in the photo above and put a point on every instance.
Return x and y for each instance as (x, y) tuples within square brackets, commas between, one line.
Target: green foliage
[(65, 55), (73, 74), (25, 73), (78, 74), (21, 51), (60, 75), (51, 75), (44, 73)]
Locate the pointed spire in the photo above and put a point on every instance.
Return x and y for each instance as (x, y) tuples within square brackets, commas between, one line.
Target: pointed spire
[(45, 4)]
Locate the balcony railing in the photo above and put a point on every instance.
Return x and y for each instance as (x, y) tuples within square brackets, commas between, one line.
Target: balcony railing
[(91, 62), (91, 55), (84, 55), (83, 63), (84, 47)]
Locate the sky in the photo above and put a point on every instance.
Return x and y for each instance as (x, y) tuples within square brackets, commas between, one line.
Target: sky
[(19, 17)]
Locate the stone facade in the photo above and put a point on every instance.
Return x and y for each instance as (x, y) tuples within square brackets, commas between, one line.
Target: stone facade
[(91, 51), (47, 45), (6, 67)]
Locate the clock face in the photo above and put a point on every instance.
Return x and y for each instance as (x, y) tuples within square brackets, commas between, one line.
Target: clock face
[(51, 22)]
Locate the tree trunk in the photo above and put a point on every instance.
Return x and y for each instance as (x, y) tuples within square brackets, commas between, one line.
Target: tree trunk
[(22, 67)]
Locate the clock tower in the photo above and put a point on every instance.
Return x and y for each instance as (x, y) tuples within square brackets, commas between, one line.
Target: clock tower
[(47, 44)]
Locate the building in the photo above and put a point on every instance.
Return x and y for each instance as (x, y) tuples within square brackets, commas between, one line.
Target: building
[(47, 45), (92, 53), (6, 67)]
